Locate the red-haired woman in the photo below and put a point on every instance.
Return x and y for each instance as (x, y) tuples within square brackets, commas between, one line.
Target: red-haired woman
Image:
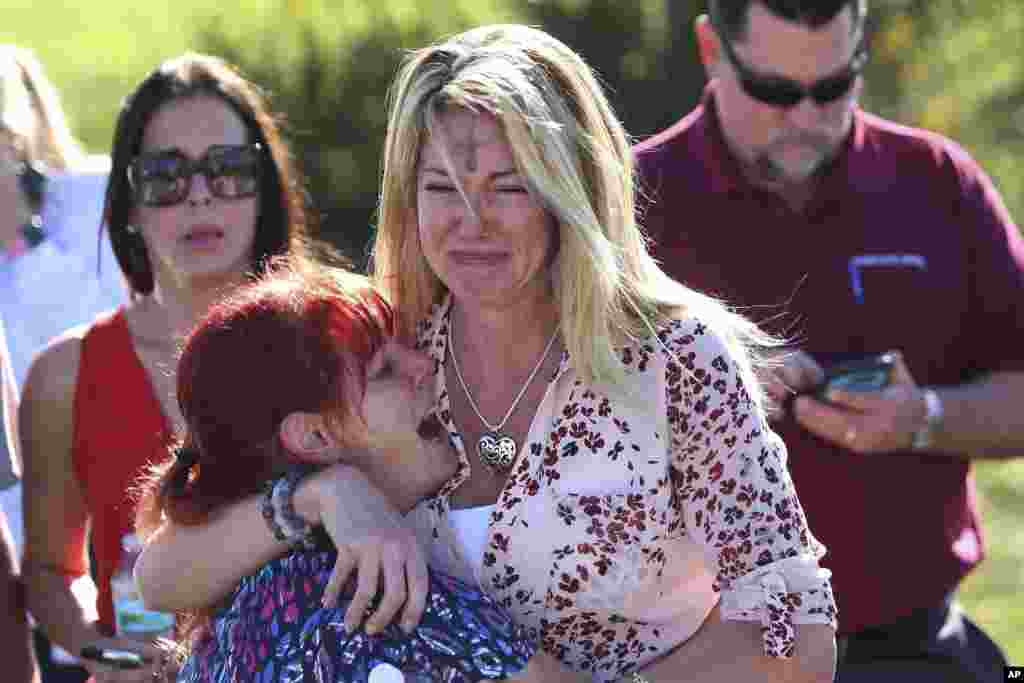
[(273, 386)]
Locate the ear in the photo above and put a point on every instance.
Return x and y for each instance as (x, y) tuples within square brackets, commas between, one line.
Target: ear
[(307, 437), (707, 44)]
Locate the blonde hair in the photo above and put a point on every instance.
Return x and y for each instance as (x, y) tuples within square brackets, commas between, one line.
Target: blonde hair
[(30, 109), (576, 159)]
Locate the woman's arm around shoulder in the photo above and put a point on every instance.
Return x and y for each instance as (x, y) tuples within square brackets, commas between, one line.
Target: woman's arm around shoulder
[(236, 542), (232, 544)]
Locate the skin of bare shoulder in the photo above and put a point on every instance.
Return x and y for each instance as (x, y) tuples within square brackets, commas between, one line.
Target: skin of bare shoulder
[(55, 513), (54, 371)]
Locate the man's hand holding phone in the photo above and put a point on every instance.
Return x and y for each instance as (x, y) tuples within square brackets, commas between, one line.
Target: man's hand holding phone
[(867, 406)]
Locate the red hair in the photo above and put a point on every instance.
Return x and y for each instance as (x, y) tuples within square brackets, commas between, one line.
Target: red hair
[(292, 340)]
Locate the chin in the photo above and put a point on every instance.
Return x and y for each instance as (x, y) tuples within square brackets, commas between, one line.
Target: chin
[(214, 266), (796, 172)]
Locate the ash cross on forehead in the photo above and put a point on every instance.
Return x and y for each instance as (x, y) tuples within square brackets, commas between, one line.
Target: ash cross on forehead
[(466, 146)]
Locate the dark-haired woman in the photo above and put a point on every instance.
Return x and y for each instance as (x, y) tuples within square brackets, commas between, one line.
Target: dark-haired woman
[(201, 193)]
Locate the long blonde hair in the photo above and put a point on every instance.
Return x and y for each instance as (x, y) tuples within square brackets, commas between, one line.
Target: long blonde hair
[(576, 158), (30, 109)]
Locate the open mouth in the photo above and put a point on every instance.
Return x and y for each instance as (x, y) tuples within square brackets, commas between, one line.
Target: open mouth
[(203, 235)]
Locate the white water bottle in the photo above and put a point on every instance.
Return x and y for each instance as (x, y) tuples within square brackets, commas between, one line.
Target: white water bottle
[(133, 619)]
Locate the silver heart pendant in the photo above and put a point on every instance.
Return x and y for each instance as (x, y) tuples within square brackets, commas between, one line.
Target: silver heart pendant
[(497, 450)]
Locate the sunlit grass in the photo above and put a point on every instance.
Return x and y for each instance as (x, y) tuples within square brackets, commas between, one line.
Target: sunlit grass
[(992, 594)]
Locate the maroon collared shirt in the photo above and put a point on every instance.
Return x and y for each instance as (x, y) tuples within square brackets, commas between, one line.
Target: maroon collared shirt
[(905, 245)]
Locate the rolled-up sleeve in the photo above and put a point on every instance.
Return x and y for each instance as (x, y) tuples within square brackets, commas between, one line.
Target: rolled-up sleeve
[(736, 497)]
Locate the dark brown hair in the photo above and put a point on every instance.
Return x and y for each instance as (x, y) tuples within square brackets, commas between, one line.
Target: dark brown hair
[(731, 17)]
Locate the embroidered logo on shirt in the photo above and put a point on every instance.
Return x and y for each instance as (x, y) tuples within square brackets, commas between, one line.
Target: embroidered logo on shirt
[(859, 263)]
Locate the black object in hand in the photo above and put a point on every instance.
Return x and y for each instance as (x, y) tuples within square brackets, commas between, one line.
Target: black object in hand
[(873, 373), (864, 374), (116, 659)]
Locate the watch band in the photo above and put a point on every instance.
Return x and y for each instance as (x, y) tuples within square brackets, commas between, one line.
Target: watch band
[(925, 435)]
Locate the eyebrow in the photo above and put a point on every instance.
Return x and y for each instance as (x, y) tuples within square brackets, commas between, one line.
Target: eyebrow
[(436, 170)]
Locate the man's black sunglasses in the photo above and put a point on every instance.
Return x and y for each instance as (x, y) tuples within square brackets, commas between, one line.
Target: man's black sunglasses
[(786, 93), (164, 178)]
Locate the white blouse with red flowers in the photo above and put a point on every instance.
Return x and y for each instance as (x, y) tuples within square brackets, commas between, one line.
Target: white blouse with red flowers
[(629, 514)]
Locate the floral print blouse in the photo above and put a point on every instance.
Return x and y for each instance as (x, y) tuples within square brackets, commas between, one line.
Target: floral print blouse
[(630, 513)]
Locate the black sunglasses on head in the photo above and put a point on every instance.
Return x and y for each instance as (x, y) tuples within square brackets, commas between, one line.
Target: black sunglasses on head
[(164, 177), (786, 93)]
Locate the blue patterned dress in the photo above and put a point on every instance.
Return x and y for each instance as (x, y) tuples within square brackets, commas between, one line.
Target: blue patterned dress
[(275, 629)]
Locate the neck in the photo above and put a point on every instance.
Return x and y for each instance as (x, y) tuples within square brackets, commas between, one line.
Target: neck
[(184, 302), (487, 333), (796, 194)]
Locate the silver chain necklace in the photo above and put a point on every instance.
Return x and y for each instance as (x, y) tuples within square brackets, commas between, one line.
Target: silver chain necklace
[(497, 450)]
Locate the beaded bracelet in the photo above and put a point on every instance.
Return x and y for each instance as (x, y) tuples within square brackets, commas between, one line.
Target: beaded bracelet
[(278, 510)]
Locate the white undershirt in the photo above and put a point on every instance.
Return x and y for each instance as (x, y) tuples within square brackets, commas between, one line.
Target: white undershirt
[(469, 527)]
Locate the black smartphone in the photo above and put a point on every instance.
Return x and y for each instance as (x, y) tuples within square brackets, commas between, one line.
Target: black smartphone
[(863, 374), (115, 659)]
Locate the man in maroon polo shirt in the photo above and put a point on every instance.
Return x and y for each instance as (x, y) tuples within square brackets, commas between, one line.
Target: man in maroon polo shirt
[(850, 236)]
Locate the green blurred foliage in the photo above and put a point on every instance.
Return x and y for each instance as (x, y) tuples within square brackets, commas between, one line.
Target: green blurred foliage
[(956, 67)]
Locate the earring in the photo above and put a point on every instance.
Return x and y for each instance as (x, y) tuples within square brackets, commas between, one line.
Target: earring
[(131, 229)]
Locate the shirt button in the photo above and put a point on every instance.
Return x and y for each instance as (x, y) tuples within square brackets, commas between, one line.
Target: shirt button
[(385, 673)]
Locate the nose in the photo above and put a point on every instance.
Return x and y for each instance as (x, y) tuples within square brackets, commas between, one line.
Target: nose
[(471, 213), (199, 190), (806, 115)]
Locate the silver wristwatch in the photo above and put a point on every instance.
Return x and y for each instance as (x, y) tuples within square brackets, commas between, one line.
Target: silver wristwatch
[(924, 436)]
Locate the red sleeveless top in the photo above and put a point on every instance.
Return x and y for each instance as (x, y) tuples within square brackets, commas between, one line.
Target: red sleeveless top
[(119, 428)]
